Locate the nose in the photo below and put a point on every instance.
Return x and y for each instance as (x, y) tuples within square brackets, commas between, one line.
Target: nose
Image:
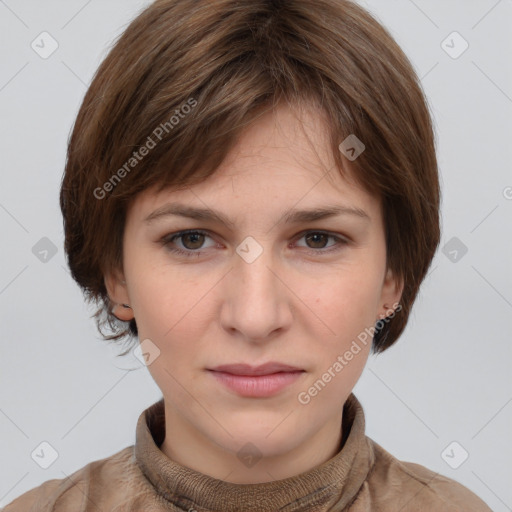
[(256, 302)]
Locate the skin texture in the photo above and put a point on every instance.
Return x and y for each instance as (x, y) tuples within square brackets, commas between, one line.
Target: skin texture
[(296, 303)]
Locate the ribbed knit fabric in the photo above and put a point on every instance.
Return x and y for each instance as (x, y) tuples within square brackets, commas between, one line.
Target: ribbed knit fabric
[(337, 481), (361, 477)]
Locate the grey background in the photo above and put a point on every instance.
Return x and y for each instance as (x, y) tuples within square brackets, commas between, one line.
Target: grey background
[(447, 379)]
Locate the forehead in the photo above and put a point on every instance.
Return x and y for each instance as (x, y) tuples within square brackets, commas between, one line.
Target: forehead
[(283, 158), (292, 140)]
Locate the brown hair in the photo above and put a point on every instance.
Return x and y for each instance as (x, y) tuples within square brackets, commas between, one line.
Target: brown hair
[(184, 79)]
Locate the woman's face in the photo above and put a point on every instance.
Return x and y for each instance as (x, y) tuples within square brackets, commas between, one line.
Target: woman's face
[(266, 284)]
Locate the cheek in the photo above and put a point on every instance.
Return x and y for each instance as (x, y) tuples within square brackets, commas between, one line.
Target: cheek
[(349, 303), (149, 296), (169, 308)]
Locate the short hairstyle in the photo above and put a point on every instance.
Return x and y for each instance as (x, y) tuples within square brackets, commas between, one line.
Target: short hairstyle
[(183, 80)]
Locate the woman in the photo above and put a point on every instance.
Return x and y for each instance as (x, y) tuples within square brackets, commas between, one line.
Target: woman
[(251, 191)]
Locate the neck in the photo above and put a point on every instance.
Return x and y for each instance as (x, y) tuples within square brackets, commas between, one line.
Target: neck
[(246, 462)]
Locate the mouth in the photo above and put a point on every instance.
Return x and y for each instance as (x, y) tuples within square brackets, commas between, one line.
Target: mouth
[(256, 381), (264, 369)]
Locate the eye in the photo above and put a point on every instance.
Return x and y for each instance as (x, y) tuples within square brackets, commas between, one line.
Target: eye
[(318, 239), (192, 241)]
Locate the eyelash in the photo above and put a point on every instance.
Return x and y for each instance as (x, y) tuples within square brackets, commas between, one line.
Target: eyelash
[(169, 239)]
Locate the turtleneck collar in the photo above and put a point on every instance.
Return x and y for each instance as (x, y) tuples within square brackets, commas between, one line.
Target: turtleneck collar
[(335, 482)]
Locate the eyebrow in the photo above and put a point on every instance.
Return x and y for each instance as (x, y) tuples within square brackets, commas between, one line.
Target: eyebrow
[(291, 217)]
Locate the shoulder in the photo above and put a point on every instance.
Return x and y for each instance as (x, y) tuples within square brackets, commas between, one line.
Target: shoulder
[(32, 500), (106, 478), (416, 488)]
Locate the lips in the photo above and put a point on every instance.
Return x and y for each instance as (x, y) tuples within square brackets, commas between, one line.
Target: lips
[(256, 381), (248, 370)]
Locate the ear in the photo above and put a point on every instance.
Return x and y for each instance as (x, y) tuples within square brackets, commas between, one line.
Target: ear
[(118, 295), (392, 289)]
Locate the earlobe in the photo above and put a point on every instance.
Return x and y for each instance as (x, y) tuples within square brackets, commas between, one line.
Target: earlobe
[(118, 294), (391, 293), (123, 312)]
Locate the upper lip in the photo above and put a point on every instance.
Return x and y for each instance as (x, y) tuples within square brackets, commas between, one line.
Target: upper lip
[(247, 369)]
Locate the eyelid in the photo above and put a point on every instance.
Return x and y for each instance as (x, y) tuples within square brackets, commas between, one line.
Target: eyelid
[(339, 236)]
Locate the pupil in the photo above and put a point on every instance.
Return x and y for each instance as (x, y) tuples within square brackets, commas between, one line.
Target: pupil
[(315, 235), (194, 235)]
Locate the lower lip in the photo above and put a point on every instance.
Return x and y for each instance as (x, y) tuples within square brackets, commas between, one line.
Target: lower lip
[(257, 386)]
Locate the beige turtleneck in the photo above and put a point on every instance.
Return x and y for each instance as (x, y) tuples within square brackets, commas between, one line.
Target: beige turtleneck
[(361, 477)]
